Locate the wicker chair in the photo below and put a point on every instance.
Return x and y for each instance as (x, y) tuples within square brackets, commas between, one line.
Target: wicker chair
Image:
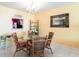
[(38, 47), (29, 46), (48, 41), (19, 45)]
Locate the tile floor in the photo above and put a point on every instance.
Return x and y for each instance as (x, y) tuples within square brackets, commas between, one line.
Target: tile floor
[(58, 50)]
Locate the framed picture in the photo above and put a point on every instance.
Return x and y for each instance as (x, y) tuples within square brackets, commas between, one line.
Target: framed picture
[(61, 20), (17, 23)]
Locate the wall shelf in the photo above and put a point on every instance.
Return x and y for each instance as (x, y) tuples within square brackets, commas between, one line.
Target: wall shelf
[(34, 27)]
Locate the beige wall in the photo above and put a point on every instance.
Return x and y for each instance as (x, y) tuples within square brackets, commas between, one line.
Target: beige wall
[(68, 36), (6, 15)]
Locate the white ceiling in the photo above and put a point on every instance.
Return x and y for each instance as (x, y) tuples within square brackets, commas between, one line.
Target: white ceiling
[(33, 6)]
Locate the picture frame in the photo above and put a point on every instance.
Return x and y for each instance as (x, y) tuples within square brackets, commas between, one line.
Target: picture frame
[(17, 23), (61, 20)]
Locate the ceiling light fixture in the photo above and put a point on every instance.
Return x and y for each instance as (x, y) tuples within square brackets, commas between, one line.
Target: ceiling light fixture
[(32, 6)]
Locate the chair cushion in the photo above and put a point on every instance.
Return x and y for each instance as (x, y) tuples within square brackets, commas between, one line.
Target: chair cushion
[(21, 43)]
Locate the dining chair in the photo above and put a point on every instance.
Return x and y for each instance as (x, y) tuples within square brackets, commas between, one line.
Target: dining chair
[(38, 47), (48, 41), (29, 46), (20, 45)]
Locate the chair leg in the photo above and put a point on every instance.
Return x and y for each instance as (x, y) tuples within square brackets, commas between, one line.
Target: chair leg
[(14, 54), (51, 50), (43, 54)]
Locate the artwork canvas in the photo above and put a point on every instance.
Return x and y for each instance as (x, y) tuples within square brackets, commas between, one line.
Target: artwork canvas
[(61, 20), (17, 23)]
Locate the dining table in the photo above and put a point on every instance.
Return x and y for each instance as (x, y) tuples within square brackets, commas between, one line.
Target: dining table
[(29, 42)]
